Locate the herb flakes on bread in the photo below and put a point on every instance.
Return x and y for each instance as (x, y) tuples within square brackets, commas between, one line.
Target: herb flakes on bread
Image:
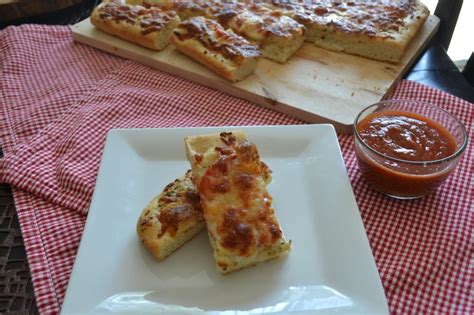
[(172, 218), (226, 53)]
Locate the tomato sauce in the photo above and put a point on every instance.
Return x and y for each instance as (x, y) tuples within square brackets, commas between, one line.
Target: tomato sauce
[(412, 141)]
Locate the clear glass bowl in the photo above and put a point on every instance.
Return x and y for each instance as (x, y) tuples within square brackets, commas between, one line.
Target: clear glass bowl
[(399, 177)]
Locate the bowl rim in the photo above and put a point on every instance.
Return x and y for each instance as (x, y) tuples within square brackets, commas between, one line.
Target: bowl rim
[(454, 155)]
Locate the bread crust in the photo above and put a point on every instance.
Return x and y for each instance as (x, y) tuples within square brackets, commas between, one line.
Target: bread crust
[(224, 52), (148, 27), (171, 219)]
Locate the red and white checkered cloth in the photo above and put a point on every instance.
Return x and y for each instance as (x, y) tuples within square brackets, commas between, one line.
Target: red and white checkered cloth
[(58, 100)]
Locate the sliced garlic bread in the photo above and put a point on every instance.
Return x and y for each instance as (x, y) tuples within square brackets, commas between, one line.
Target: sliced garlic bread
[(231, 181), (171, 218), (226, 53)]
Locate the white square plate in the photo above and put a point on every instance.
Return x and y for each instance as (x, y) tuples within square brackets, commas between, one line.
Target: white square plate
[(330, 268)]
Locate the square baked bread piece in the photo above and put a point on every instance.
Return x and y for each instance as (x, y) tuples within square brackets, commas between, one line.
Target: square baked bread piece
[(212, 9), (172, 218), (301, 11), (379, 30), (184, 8), (231, 180), (148, 27), (224, 52), (278, 36)]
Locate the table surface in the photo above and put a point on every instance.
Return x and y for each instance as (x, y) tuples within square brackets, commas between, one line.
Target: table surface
[(434, 68)]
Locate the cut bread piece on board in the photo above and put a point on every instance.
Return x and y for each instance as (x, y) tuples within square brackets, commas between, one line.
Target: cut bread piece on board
[(226, 53), (185, 9), (148, 27), (231, 180), (278, 36), (172, 218)]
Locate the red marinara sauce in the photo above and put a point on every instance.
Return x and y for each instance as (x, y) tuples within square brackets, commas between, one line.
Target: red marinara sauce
[(411, 141)]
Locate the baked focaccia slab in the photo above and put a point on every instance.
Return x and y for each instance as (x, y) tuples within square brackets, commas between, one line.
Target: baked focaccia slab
[(148, 27), (224, 52), (379, 30), (231, 180)]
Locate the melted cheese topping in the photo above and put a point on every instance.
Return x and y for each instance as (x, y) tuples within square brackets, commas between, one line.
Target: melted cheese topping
[(179, 202), (193, 8), (257, 27), (258, 22), (216, 39), (237, 206), (253, 21), (149, 19), (371, 18)]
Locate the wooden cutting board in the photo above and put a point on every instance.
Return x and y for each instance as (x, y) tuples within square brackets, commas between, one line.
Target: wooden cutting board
[(315, 85)]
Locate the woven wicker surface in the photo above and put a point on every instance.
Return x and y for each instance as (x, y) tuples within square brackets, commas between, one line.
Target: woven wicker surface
[(16, 291)]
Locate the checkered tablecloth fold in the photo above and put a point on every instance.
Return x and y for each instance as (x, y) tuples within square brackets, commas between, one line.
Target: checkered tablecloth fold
[(59, 99)]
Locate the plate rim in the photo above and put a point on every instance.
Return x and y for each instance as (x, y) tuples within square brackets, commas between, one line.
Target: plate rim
[(115, 132)]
